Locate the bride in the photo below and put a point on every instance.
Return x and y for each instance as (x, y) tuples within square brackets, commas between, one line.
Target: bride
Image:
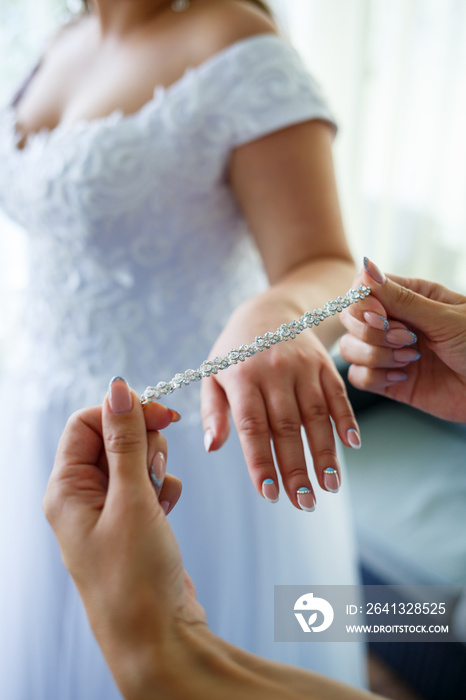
[(171, 163)]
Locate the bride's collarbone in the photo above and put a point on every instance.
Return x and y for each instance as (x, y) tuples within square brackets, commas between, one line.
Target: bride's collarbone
[(77, 85)]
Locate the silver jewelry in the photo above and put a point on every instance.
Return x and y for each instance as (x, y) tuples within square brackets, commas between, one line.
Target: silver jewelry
[(180, 5), (287, 331)]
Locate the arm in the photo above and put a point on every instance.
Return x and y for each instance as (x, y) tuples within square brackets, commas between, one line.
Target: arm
[(123, 556), (429, 375), (286, 187)]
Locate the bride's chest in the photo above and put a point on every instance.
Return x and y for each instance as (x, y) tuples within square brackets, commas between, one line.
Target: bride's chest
[(110, 166)]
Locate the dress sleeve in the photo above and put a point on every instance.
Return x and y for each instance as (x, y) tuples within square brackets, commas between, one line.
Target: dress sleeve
[(262, 86)]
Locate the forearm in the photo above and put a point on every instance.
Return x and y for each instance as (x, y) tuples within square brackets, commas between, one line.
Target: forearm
[(201, 665), (194, 664)]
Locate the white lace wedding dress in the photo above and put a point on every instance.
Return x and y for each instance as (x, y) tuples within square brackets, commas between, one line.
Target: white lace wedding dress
[(137, 256)]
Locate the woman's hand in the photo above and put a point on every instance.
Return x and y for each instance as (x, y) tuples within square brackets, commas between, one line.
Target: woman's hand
[(271, 396), (407, 341), (106, 501)]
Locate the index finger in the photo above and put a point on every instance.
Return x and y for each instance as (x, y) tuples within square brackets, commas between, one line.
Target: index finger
[(158, 416), (81, 441), (78, 452)]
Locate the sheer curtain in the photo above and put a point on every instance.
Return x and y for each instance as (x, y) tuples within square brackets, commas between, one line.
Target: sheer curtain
[(395, 75)]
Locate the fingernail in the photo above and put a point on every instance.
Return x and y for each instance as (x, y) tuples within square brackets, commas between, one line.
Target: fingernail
[(331, 480), (374, 272), (120, 398), (176, 417), (208, 439), (406, 355), (354, 439), (306, 500), (395, 375), (157, 470), (376, 321), (401, 337), (270, 491), (165, 506)]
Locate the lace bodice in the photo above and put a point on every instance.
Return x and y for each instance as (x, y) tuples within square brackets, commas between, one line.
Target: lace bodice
[(138, 251)]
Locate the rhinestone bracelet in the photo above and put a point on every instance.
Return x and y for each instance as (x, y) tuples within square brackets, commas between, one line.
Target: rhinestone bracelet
[(287, 331)]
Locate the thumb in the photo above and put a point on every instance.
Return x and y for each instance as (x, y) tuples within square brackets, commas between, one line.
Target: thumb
[(124, 435), (412, 301)]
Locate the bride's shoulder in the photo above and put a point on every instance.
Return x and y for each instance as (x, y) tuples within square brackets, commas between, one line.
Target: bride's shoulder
[(220, 24)]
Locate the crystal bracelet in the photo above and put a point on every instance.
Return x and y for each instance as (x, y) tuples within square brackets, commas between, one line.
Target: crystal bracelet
[(287, 331)]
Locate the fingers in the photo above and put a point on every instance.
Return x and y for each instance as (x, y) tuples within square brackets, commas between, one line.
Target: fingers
[(156, 459), (158, 417), (429, 289), (368, 305), (274, 413), (136, 456), (319, 433), (124, 435), (339, 406), (374, 327), (251, 420), (377, 381), (119, 440), (423, 310), (74, 472), (264, 416), (170, 493), (285, 430), (80, 442), (327, 399), (215, 411), (356, 351)]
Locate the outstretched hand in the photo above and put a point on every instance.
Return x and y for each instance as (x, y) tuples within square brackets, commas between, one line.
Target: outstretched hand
[(271, 396), (407, 341)]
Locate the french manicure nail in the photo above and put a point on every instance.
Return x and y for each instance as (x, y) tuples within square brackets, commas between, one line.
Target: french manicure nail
[(354, 439), (176, 417), (395, 375), (399, 336), (376, 321), (270, 491), (208, 439), (331, 480), (120, 398), (406, 355), (374, 272), (306, 500), (157, 470), (165, 506)]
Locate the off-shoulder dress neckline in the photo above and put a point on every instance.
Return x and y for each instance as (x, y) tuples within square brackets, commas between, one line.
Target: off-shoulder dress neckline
[(160, 91)]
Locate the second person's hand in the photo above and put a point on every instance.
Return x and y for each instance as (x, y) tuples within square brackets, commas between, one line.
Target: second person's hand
[(407, 341), (106, 501)]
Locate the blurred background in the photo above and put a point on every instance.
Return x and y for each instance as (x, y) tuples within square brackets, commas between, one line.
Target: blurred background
[(395, 76), (394, 73)]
